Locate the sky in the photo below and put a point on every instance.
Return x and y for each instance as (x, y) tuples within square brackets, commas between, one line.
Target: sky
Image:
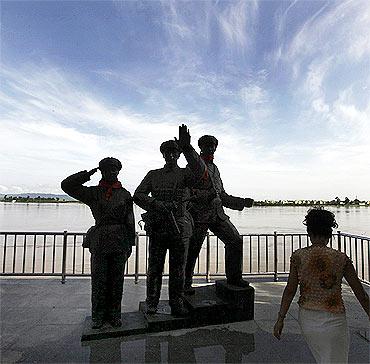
[(283, 85)]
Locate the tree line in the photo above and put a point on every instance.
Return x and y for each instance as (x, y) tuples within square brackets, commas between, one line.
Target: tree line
[(334, 202)]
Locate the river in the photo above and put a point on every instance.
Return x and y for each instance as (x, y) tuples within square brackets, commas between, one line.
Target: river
[(77, 218)]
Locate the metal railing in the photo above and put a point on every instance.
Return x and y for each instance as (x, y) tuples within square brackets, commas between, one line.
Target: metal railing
[(61, 254)]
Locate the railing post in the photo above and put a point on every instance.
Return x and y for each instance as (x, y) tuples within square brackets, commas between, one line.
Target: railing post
[(339, 242), (275, 258), (208, 251), (136, 258), (64, 257)]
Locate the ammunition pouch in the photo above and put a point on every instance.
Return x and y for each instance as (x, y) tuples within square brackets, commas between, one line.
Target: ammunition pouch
[(149, 222), (158, 223), (91, 237)]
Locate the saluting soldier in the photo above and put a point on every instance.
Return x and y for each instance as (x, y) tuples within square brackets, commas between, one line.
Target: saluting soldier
[(110, 241), (168, 221), (208, 199)]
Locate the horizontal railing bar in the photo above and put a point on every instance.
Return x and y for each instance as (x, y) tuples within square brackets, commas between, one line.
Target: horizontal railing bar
[(31, 274), (143, 234), (355, 236), (35, 233), (256, 234), (132, 275)]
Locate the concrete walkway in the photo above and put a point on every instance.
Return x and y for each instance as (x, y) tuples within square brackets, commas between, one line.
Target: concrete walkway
[(41, 322)]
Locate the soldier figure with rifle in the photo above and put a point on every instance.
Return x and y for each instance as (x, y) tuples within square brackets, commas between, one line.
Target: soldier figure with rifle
[(163, 193)]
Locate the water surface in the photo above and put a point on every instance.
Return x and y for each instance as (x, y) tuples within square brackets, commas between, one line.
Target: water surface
[(77, 217)]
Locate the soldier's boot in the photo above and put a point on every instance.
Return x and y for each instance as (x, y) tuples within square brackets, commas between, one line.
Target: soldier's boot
[(115, 319), (116, 322), (234, 263), (189, 290), (151, 307), (178, 309), (98, 319), (97, 323)]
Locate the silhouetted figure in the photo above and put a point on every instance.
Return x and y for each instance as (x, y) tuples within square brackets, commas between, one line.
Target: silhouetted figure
[(110, 241), (319, 271), (168, 221), (208, 213)]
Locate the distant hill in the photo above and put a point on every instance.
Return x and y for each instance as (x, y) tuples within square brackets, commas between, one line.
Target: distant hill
[(36, 195)]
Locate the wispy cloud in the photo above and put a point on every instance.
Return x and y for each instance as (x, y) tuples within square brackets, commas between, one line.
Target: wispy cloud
[(238, 24), (66, 136), (337, 29)]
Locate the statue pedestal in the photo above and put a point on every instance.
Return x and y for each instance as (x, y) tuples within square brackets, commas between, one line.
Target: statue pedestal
[(210, 305), (163, 320), (206, 308), (133, 323), (240, 300)]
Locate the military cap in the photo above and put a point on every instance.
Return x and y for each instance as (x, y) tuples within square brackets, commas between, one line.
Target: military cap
[(110, 161), (169, 144), (207, 139)]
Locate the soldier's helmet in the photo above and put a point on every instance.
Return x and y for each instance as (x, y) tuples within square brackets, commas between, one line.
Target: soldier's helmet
[(110, 161), (169, 145), (206, 140)]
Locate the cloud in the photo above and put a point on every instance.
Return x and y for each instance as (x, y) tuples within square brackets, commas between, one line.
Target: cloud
[(61, 127), (324, 57), (53, 132), (337, 29), (254, 94), (350, 122), (237, 24), (56, 136)]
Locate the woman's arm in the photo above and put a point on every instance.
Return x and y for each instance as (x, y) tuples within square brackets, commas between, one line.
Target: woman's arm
[(351, 277), (288, 295)]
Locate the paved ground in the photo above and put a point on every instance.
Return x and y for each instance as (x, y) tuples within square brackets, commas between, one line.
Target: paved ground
[(41, 322)]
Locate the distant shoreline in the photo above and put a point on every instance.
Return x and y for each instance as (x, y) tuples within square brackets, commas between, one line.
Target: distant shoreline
[(42, 201), (256, 204)]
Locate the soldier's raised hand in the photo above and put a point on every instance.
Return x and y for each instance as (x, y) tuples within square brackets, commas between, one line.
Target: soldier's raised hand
[(248, 202), (184, 136), (92, 171)]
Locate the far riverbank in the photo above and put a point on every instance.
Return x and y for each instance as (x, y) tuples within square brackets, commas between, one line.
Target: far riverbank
[(308, 203)]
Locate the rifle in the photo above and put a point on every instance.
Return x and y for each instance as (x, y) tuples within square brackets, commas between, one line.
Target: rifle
[(174, 222), (154, 222)]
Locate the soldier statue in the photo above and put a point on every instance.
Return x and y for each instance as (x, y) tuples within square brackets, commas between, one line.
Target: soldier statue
[(207, 211), (110, 241), (168, 221)]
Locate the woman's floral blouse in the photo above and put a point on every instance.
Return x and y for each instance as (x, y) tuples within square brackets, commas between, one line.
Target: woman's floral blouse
[(320, 272)]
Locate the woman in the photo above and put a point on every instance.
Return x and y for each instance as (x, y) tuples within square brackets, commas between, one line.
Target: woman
[(319, 270)]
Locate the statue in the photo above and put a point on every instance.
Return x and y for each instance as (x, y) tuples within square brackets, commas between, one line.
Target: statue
[(110, 241), (168, 221), (207, 211)]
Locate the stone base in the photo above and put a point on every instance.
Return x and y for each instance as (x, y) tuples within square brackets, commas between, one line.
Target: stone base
[(163, 320), (240, 300), (133, 323), (206, 308), (210, 305)]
